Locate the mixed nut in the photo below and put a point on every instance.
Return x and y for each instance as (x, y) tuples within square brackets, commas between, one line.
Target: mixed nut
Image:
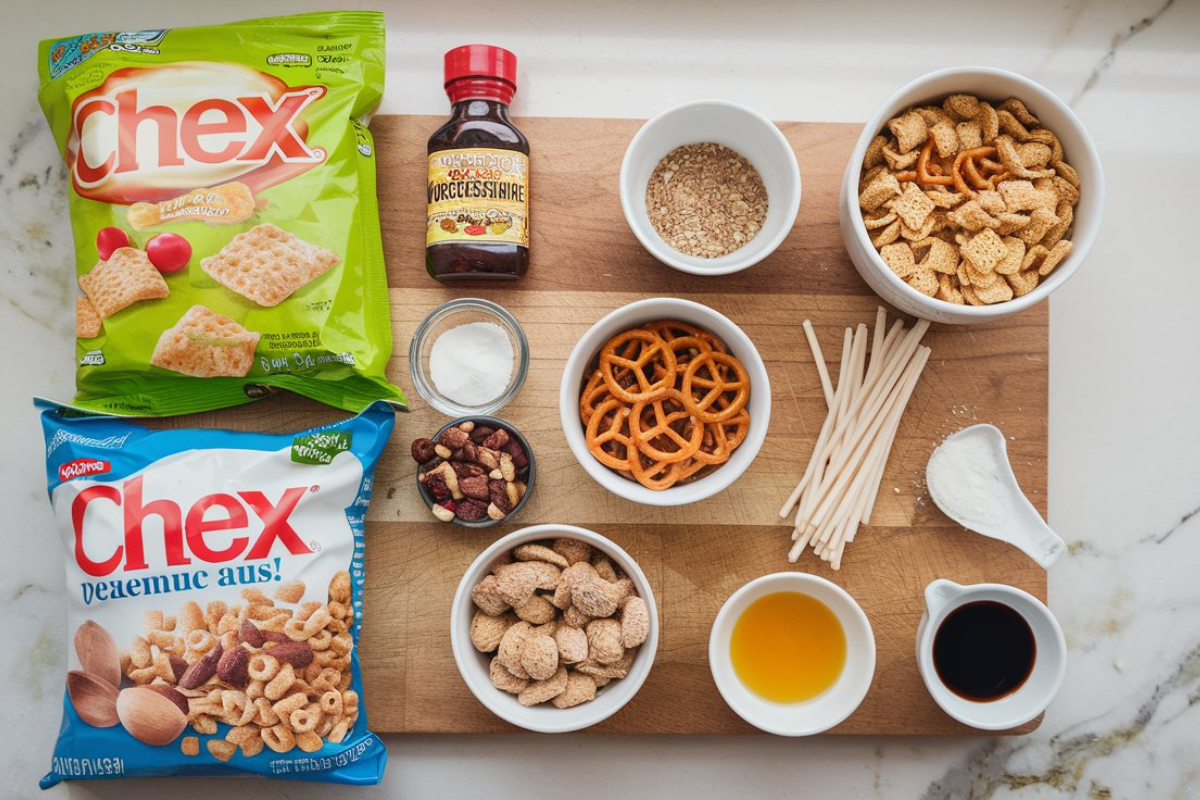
[(473, 472), (276, 670), (562, 620)]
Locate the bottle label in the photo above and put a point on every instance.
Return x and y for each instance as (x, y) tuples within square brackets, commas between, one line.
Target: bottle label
[(478, 195)]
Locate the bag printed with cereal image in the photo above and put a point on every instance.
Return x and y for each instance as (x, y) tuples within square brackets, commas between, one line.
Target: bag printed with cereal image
[(226, 225), (214, 585)]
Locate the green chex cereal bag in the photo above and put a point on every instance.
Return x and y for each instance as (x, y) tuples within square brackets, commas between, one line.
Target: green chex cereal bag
[(224, 211)]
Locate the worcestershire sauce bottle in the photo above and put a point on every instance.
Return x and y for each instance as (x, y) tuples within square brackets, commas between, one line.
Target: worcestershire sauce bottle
[(478, 203)]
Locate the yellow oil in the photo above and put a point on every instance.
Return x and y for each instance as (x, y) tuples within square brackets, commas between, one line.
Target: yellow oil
[(788, 647)]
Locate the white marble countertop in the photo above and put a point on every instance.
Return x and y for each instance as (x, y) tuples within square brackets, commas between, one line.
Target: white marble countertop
[(1124, 386)]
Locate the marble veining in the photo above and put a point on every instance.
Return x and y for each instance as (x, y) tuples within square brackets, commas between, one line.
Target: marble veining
[(1118, 40)]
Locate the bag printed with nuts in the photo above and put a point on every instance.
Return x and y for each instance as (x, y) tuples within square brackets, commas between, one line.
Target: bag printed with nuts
[(214, 584)]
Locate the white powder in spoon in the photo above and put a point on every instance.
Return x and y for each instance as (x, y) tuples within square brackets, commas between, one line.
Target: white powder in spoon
[(471, 364), (965, 478)]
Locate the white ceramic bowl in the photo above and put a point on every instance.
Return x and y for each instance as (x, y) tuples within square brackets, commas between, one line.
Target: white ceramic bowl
[(631, 316), (1050, 655), (825, 710), (748, 133), (545, 718), (993, 85)]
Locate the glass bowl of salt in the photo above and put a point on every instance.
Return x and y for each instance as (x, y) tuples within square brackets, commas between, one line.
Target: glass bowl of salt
[(469, 357)]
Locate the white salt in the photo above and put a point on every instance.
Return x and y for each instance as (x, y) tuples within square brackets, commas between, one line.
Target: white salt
[(472, 364), (966, 479)]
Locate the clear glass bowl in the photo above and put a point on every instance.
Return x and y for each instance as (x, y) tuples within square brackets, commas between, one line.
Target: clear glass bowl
[(451, 315)]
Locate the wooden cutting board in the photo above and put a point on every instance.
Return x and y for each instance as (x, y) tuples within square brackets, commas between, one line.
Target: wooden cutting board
[(587, 263)]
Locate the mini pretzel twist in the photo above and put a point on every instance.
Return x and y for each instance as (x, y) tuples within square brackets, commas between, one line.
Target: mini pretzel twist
[(615, 415), (719, 443), (664, 421), (653, 347), (716, 384), (657, 475), (594, 393)]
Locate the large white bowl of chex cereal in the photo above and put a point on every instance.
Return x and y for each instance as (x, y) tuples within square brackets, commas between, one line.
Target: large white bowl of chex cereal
[(972, 194)]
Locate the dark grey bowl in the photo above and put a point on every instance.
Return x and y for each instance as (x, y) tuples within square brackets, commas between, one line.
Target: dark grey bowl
[(525, 474)]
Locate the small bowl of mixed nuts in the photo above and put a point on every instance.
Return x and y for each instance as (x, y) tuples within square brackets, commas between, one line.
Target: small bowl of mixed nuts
[(474, 472), (554, 628)]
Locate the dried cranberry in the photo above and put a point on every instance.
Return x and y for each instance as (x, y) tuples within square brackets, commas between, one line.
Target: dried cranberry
[(435, 483), (471, 510), (514, 449)]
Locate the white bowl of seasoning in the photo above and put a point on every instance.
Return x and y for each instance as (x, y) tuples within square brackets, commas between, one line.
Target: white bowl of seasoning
[(829, 695), (748, 133), (468, 358)]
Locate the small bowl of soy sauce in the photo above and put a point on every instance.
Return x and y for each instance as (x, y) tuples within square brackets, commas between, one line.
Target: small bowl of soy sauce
[(992, 656)]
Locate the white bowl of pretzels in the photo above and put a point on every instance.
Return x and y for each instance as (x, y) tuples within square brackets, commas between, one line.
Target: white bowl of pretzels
[(684, 388)]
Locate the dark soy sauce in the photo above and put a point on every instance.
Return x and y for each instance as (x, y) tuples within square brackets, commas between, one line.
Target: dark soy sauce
[(984, 651)]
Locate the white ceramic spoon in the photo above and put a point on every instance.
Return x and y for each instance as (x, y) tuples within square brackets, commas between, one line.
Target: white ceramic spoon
[(970, 479)]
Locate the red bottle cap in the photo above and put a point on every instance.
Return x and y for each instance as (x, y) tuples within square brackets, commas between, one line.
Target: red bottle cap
[(480, 71)]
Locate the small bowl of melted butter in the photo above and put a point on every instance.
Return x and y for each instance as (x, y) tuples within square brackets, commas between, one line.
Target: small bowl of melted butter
[(792, 654)]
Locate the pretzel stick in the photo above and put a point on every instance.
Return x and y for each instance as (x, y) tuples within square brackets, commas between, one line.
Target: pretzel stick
[(883, 359), (871, 403), (872, 491), (825, 456), (885, 350), (891, 438), (820, 457), (862, 442), (895, 411), (830, 547), (877, 342), (853, 376), (819, 359), (826, 431), (879, 469), (843, 476)]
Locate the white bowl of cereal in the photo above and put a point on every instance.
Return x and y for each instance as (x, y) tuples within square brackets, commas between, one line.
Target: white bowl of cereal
[(665, 478), (715, 211), (590, 664), (973, 193)]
